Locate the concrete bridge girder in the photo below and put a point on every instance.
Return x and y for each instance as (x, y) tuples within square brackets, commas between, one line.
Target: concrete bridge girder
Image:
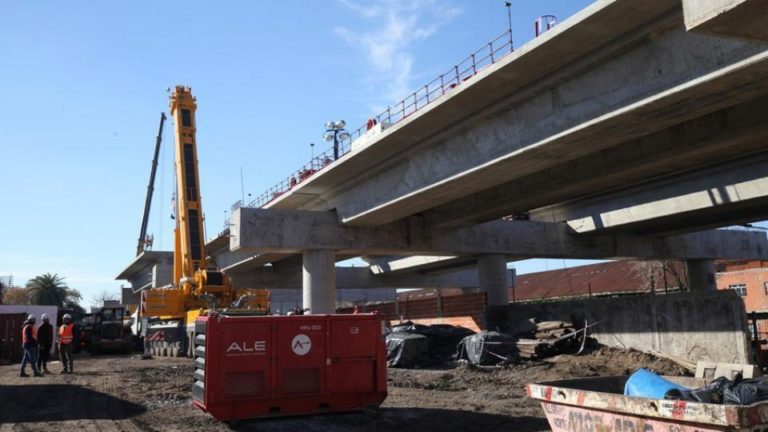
[(294, 231), (719, 136), (670, 79), (729, 18), (360, 278), (736, 191)]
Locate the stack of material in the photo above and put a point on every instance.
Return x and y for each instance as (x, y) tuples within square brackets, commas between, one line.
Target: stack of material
[(548, 339)]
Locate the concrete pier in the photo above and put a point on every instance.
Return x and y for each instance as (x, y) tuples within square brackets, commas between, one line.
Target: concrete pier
[(492, 275), (319, 281), (492, 271), (701, 274)]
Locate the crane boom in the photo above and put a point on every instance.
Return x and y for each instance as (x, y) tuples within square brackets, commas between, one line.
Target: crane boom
[(197, 284), (190, 238), (150, 189)]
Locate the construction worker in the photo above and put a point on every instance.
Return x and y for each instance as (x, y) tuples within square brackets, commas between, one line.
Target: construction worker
[(45, 342), (29, 342), (66, 338)]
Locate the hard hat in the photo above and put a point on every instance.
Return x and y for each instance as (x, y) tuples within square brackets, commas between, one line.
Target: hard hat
[(31, 317), (44, 317), (67, 317)]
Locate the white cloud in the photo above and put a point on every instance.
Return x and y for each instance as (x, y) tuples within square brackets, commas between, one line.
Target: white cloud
[(388, 30)]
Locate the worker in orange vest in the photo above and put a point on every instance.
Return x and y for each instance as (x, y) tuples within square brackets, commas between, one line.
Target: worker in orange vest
[(29, 342), (66, 337)]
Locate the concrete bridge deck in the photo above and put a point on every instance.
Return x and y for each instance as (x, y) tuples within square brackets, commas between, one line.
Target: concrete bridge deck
[(622, 132)]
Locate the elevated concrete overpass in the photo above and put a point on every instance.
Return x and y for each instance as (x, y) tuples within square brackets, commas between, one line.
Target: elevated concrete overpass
[(622, 132)]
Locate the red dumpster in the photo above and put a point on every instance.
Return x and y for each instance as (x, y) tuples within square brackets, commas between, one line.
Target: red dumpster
[(254, 366)]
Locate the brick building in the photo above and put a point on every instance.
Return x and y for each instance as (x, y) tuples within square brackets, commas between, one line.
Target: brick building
[(750, 280)]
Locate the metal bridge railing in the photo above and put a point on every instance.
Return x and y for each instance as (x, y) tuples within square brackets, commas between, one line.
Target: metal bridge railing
[(489, 54)]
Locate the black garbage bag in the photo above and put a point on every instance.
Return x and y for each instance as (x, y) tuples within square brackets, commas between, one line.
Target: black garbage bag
[(746, 392), (487, 348), (710, 393), (724, 391), (403, 327), (407, 350)]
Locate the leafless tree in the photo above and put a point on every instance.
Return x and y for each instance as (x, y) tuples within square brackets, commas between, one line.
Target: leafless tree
[(99, 298), (657, 275)]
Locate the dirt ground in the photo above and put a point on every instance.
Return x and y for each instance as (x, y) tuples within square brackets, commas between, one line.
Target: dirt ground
[(122, 393)]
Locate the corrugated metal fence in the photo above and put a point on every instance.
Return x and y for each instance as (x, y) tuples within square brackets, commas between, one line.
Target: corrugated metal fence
[(10, 337)]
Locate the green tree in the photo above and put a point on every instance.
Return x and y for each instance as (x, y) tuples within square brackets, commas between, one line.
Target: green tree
[(15, 296), (48, 289), (73, 301)]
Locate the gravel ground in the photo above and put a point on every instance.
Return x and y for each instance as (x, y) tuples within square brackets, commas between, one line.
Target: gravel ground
[(122, 393)]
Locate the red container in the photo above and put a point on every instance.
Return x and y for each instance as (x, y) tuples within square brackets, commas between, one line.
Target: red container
[(255, 366)]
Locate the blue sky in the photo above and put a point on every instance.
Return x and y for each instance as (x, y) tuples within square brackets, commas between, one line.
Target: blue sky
[(83, 84)]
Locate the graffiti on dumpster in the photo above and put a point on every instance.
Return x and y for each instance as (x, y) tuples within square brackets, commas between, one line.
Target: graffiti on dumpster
[(564, 418)]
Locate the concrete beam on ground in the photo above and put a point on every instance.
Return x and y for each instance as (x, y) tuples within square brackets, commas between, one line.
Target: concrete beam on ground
[(293, 231), (744, 19), (358, 278), (740, 130), (727, 194)]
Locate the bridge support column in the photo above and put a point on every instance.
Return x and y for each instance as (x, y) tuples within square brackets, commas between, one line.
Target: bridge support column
[(701, 275), (492, 271), (319, 281)]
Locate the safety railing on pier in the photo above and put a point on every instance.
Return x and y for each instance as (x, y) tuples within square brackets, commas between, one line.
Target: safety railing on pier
[(463, 71)]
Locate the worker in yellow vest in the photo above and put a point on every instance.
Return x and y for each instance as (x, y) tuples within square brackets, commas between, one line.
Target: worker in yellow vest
[(29, 343), (66, 338)]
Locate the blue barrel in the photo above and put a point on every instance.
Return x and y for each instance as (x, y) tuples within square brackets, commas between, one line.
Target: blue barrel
[(644, 383)]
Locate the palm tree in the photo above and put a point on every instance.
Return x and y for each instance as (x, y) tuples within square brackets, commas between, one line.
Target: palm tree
[(48, 289)]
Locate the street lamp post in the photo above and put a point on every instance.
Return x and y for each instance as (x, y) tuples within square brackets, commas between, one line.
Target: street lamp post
[(509, 16), (335, 132)]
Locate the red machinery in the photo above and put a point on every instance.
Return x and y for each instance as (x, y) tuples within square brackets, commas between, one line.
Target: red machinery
[(248, 366)]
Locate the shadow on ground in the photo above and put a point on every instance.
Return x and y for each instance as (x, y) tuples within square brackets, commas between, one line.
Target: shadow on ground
[(60, 402), (400, 420)]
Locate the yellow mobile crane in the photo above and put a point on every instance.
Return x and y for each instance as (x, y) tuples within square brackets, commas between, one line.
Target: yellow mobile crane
[(197, 284)]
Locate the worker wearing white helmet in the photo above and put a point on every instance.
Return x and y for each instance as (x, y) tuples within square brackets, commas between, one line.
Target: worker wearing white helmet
[(45, 342), (66, 339), (29, 342)]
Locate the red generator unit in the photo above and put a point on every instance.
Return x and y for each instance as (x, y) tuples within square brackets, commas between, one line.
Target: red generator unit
[(258, 366)]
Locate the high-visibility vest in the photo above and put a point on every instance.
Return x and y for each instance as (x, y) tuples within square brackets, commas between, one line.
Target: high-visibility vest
[(24, 337), (65, 334)]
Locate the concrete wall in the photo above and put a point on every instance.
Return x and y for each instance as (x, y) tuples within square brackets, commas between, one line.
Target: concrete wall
[(696, 326)]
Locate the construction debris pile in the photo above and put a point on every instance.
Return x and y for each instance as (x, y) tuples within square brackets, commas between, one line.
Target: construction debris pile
[(549, 338), (413, 345), (487, 348)]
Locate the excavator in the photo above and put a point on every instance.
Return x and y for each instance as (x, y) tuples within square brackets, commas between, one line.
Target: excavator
[(197, 284)]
